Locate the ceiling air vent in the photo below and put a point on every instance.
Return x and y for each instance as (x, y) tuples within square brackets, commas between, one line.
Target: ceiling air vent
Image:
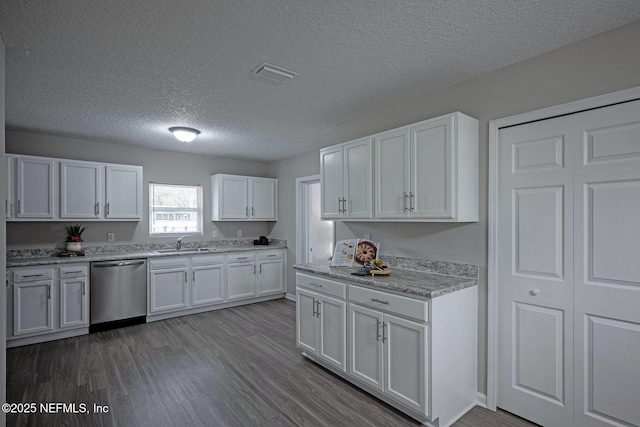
[(273, 73)]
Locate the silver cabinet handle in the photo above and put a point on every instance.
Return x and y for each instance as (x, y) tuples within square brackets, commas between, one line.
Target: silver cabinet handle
[(385, 325), (73, 272), (48, 291), (83, 287), (185, 277), (19, 207), (97, 208), (318, 309), (33, 275), (106, 208), (533, 292), (404, 203), (242, 257), (411, 199), (314, 308), (260, 268), (254, 269), (270, 256), (316, 284), (193, 276), (253, 212), (378, 336), (380, 301), (246, 211), (339, 203)]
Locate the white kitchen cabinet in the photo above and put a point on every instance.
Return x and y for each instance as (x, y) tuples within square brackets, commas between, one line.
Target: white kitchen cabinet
[(35, 187), (321, 327), (207, 280), (47, 303), (428, 171), (123, 192), (74, 297), (80, 189), (241, 276), (168, 284), (347, 180), (243, 198), (32, 306), (49, 189), (271, 272)]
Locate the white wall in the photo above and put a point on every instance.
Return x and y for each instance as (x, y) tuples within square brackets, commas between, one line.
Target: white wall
[(159, 166), (602, 64)]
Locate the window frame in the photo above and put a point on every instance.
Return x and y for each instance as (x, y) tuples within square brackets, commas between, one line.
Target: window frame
[(198, 210)]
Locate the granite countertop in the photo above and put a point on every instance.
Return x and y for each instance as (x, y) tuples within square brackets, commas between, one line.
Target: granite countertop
[(116, 256), (415, 282)]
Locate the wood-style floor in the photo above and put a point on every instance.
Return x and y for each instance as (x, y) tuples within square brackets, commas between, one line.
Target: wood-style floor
[(232, 367)]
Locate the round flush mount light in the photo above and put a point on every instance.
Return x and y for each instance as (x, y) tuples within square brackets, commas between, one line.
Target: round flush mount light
[(184, 134)]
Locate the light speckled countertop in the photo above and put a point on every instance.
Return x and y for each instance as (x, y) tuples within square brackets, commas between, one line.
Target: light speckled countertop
[(413, 282), (116, 256)]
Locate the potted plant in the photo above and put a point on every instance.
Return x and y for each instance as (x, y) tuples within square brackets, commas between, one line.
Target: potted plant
[(74, 236)]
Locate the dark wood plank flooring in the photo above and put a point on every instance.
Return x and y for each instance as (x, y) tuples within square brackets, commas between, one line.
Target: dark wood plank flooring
[(232, 367)]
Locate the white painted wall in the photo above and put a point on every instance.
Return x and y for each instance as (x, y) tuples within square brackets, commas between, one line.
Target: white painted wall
[(159, 166), (601, 64)]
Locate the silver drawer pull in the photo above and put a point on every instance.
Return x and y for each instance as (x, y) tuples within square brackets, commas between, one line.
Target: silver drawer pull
[(73, 272), (270, 256), (315, 284), (380, 301), (243, 257), (33, 275)]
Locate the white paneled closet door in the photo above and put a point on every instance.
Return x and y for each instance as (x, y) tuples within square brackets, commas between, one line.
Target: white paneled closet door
[(569, 269)]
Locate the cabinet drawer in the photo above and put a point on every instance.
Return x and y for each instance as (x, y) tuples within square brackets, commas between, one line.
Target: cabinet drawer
[(241, 257), (31, 275), (73, 271), (207, 260), (156, 264), (322, 285), (266, 255), (396, 304)]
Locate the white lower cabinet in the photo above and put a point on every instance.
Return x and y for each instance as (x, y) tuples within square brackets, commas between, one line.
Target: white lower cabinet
[(168, 284), (322, 324), (241, 276), (48, 303), (418, 355), (207, 280), (271, 272)]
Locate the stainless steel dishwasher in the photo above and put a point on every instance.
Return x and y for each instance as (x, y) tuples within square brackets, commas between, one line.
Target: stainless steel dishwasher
[(118, 294)]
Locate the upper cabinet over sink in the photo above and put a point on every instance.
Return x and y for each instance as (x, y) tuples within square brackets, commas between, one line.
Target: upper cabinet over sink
[(48, 189), (426, 172), (243, 198)]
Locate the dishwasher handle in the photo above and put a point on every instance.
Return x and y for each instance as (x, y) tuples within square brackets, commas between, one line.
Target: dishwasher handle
[(118, 264)]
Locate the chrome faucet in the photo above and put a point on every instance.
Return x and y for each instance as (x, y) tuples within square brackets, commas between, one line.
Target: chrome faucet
[(179, 243)]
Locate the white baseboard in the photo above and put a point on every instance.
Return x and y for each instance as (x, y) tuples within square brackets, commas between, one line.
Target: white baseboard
[(482, 399), (291, 297)]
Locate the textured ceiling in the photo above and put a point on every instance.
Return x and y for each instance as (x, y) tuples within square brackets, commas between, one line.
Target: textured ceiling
[(125, 71)]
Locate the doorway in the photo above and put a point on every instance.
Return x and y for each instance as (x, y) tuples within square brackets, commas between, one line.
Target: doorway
[(314, 237), (564, 267)]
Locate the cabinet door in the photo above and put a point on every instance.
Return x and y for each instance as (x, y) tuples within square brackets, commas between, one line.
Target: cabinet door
[(366, 361), (332, 320), (263, 199), (432, 169), (306, 321), (271, 276), (32, 307), (9, 201), (73, 302), (207, 284), (35, 187), (241, 280), (332, 182), (167, 290), (233, 197), (123, 192), (358, 176), (80, 190), (392, 174), (405, 362)]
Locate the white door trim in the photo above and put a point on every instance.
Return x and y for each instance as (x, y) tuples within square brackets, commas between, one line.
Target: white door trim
[(492, 288), (299, 210)]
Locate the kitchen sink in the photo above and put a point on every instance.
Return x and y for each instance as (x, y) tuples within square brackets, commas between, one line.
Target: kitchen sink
[(182, 251)]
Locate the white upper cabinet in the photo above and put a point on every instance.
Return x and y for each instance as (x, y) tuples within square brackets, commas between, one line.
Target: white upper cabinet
[(80, 189), (428, 171), (35, 188), (123, 198), (243, 198), (48, 189), (347, 180)]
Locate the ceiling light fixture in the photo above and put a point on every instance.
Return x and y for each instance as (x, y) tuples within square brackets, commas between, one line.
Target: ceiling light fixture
[(184, 134)]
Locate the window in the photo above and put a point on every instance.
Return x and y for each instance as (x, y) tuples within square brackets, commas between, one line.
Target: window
[(175, 209)]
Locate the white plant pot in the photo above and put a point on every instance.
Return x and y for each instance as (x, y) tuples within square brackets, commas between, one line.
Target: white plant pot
[(74, 246)]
